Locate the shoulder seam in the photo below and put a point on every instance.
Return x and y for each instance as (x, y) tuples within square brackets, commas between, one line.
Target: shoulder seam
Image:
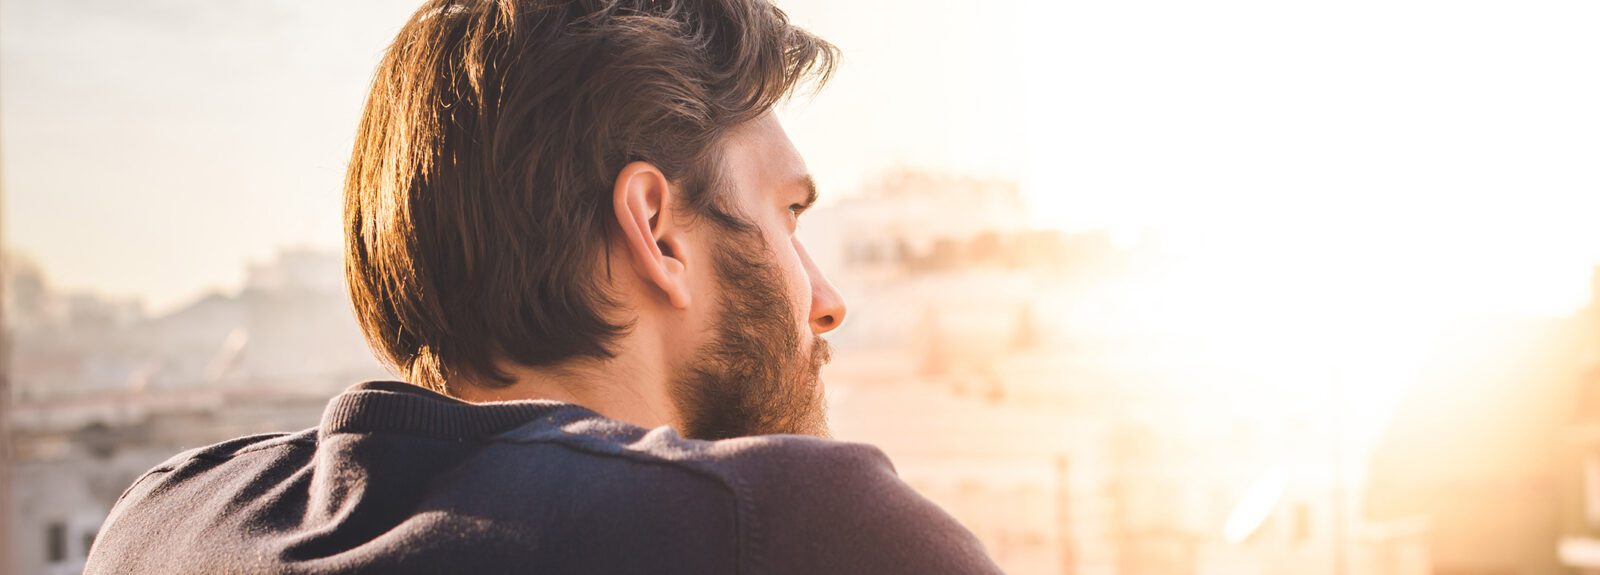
[(251, 449), (745, 524)]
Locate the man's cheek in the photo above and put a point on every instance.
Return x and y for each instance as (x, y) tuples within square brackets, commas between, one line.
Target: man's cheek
[(800, 294)]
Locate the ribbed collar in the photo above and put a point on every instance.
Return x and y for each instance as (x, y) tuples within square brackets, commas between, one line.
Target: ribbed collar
[(398, 407)]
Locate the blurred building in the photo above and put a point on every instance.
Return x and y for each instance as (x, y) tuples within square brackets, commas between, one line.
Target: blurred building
[(1579, 546), (1497, 449), (104, 392), (996, 365)]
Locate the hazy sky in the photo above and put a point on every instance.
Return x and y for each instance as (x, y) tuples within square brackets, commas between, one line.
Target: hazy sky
[(152, 147), (1371, 157), (1446, 151)]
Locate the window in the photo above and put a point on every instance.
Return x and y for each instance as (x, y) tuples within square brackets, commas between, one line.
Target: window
[(1302, 522), (1591, 489), (55, 541)]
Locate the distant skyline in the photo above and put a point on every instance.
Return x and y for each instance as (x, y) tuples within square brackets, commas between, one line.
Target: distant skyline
[(1373, 155)]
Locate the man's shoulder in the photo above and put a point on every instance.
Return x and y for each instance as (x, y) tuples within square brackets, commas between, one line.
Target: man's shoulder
[(759, 475), (742, 464), (802, 504), (801, 465), (228, 449), (825, 506), (225, 451), (788, 450)]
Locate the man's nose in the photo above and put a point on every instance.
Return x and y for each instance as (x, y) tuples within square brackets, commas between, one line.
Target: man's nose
[(827, 306)]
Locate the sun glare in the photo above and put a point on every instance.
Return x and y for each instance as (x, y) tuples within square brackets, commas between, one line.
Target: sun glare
[(1327, 206)]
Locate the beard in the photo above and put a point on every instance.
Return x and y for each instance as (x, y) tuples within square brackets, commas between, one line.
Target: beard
[(751, 378)]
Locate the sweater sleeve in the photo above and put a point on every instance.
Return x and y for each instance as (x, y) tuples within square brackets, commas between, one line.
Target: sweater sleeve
[(833, 507)]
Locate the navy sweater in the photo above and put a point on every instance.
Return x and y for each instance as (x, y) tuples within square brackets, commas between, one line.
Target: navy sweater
[(398, 479)]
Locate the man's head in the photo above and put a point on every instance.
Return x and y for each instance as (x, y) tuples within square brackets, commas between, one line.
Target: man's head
[(557, 187)]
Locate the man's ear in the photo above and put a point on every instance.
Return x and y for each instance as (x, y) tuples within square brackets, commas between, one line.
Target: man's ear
[(652, 239)]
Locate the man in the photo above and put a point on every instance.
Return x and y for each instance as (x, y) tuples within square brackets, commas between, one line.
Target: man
[(570, 225)]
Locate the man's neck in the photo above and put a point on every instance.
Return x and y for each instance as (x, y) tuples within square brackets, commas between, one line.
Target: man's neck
[(618, 389)]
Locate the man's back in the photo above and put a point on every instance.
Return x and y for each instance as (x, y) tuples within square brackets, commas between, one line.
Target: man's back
[(398, 479)]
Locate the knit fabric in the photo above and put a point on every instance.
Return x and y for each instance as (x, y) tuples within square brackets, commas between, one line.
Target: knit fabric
[(399, 479)]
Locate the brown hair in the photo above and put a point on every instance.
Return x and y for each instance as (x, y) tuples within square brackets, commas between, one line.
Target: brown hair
[(479, 189)]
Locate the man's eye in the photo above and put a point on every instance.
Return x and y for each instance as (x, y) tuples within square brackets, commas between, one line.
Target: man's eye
[(796, 210)]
